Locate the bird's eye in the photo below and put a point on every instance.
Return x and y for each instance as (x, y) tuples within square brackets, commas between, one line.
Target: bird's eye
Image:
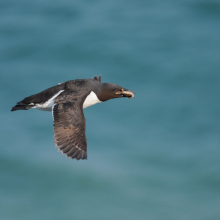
[(112, 90)]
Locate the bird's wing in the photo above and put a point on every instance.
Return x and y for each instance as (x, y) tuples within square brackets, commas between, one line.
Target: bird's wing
[(69, 126)]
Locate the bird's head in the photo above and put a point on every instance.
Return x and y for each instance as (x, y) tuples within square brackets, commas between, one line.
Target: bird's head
[(112, 91)]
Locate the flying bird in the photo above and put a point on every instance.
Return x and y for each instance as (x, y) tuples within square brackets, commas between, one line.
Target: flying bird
[(66, 101)]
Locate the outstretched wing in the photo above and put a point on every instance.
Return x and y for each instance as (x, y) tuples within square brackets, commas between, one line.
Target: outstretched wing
[(69, 127)]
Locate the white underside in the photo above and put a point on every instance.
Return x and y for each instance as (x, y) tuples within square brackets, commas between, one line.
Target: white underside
[(91, 99), (47, 106)]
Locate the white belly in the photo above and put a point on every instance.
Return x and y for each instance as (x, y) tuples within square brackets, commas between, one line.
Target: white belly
[(91, 99), (47, 106)]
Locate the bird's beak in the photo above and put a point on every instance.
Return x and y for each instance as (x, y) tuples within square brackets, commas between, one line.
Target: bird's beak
[(126, 93)]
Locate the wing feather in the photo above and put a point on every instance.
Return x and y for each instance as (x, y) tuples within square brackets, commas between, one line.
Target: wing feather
[(69, 127)]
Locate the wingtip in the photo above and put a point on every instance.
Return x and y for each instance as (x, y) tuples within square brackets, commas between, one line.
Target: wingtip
[(74, 153), (77, 154)]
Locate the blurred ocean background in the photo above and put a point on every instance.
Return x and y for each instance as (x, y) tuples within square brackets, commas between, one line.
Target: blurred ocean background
[(155, 157)]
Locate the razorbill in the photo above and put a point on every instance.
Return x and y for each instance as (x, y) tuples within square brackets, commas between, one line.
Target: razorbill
[(66, 101)]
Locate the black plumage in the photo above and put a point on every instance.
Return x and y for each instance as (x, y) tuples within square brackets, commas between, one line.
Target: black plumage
[(66, 101)]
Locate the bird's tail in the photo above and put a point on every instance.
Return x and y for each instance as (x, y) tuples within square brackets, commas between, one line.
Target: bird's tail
[(21, 106)]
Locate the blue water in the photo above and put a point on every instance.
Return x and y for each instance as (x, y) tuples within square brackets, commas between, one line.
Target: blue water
[(153, 157)]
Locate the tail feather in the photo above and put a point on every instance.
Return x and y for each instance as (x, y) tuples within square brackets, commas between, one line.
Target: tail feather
[(21, 107)]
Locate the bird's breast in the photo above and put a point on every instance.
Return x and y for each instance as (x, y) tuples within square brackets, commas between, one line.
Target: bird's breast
[(91, 99)]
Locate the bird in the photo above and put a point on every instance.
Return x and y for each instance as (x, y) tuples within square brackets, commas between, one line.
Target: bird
[(67, 101)]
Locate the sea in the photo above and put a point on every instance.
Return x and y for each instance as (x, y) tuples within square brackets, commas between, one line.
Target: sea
[(154, 157)]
